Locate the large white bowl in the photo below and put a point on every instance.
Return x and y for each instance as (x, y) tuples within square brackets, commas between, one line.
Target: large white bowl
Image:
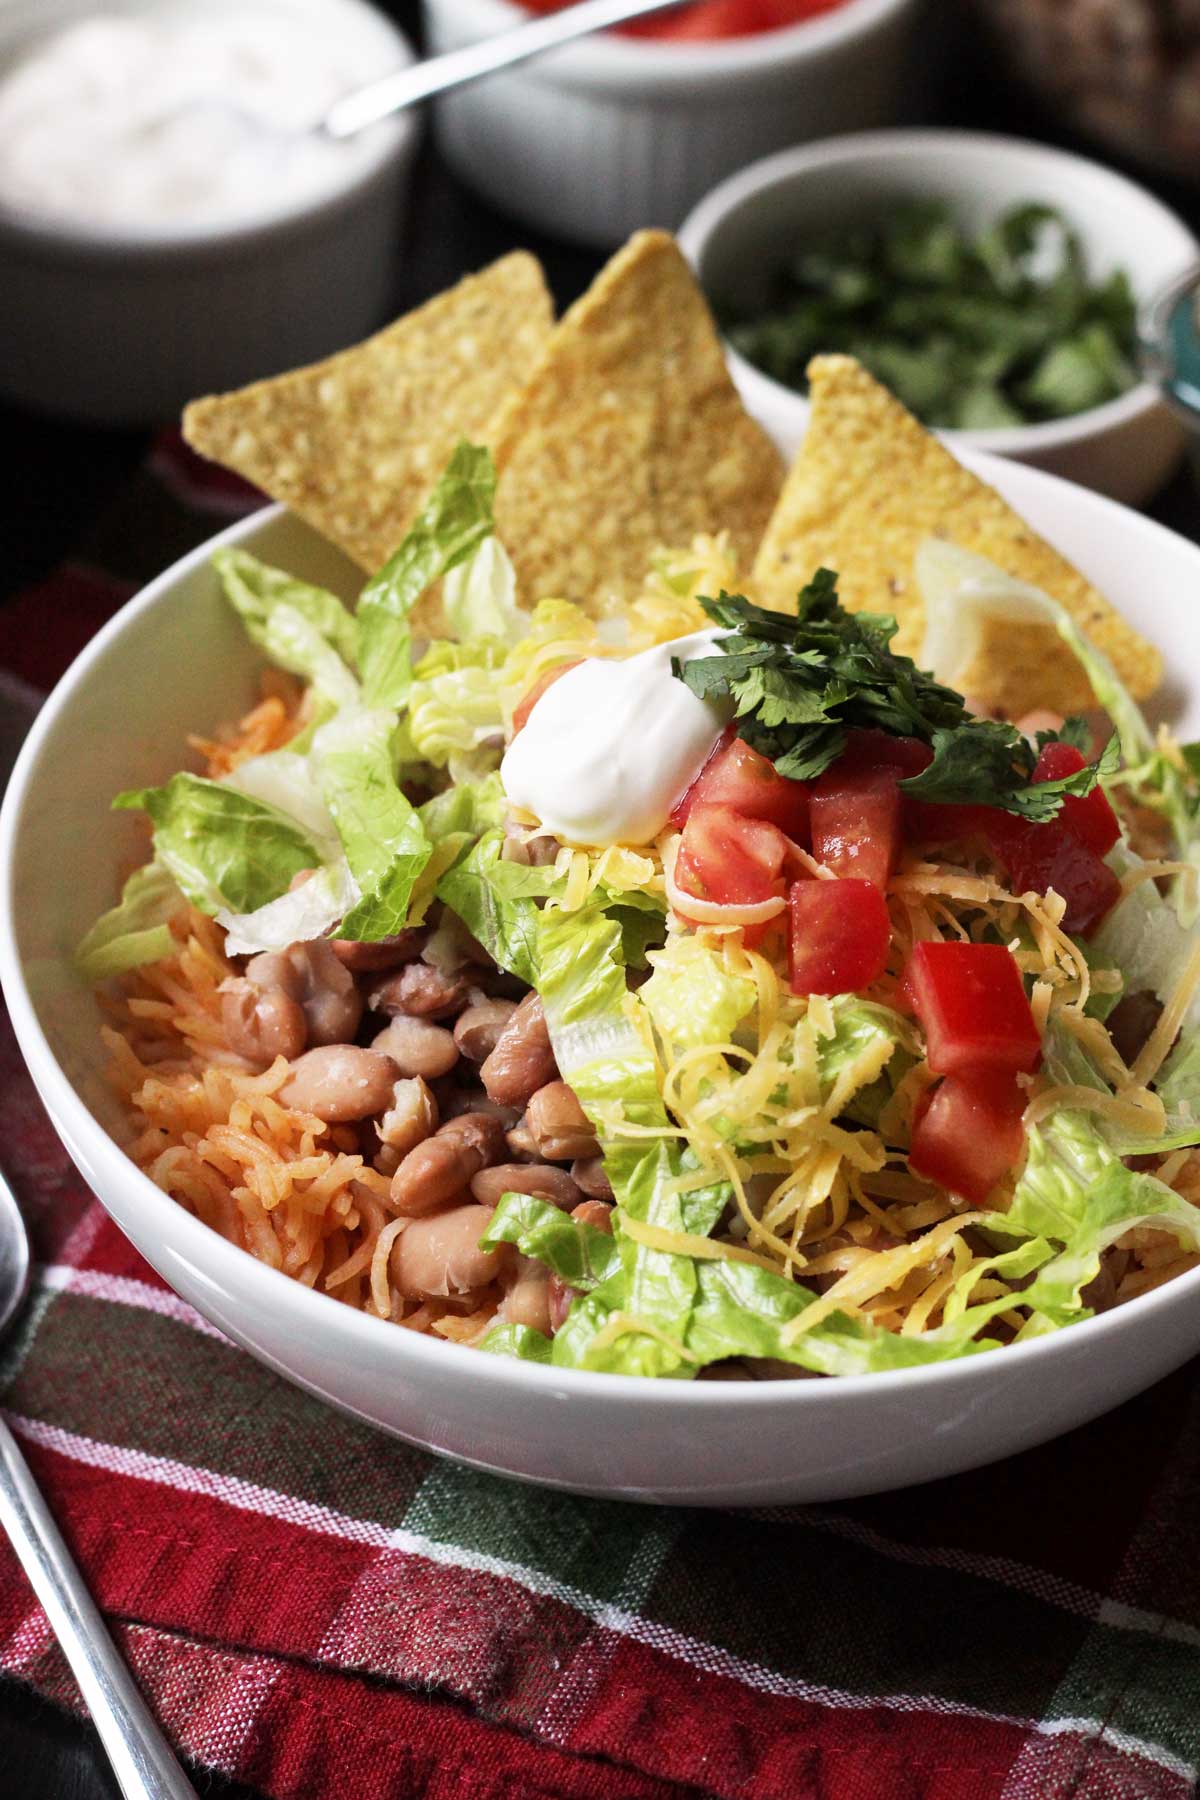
[(175, 659), (736, 235), (601, 137)]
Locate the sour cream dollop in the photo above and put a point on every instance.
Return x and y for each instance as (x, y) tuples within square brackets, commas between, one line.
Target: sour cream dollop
[(609, 748), (185, 116)]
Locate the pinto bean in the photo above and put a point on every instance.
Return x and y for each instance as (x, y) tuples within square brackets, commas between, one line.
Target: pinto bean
[(339, 1082), (411, 1118), (559, 1298), (523, 1059), (417, 1047), (440, 1256), (261, 1023), (594, 1213), (588, 1173), (384, 953), (558, 1124), (441, 1168), (477, 1030), (538, 1179), (527, 1296), (311, 975), (420, 992), (454, 1101), (520, 1142)]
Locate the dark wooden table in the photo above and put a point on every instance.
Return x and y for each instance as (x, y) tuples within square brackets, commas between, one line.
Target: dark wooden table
[(62, 476)]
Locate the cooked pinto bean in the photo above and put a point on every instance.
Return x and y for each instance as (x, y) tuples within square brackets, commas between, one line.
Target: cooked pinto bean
[(261, 1023), (440, 1256), (594, 1213), (523, 1060), (411, 1118), (477, 1030), (527, 1297), (385, 953), (558, 1124), (1131, 1021), (538, 1179), (454, 1101), (588, 1173), (730, 1370), (312, 975), (559, 1297), (417, 1047), (420, 992), (520, 1142), (339, 1082), (441, 1168)]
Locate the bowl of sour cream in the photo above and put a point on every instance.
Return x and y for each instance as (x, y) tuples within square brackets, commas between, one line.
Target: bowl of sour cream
[(170, 223)]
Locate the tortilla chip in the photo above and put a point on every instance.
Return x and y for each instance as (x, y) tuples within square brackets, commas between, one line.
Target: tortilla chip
[(629, 435), (869, 484), (355, 443)]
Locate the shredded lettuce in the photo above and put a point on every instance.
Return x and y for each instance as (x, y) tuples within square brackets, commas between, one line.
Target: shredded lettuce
[(306, 912), (382, 835), (302, 628), (452, 526), (691, 999), (507, 928), (224, 849), (579, 1253), (479, 597), (136, 930)]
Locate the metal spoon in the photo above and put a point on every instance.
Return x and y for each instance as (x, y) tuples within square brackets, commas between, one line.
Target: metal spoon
[(141, 1758), (392, 93)]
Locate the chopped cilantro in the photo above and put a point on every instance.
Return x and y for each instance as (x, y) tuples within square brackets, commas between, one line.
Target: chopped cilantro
[(798, 684)]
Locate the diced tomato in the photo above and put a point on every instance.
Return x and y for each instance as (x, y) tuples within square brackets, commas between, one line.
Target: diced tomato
[(839, 936), (968, 1133), (854, 815), (1041, 857), (729, 860), (531, 697), (868, 749), (933, 822), (971, 1002), (1089, 817), (737, 776)]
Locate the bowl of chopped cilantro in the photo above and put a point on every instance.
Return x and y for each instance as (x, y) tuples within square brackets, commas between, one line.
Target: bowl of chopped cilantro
[(994, 285)]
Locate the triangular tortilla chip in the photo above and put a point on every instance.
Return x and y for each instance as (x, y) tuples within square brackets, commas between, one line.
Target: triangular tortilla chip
[(869, 484), (629, 435), (354, 444)]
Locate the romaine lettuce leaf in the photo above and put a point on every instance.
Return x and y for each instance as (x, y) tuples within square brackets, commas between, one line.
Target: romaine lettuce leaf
[(302, 628), (136, 930), (455, 522), (479, 597), (691, 999), (506, 928), (297, 917), (579, 1253), (1068, 1062), (466, 810), (381, 832), (224, 849)]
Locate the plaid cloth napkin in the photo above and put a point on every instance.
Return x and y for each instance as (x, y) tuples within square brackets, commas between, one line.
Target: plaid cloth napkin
[(318, 1611)]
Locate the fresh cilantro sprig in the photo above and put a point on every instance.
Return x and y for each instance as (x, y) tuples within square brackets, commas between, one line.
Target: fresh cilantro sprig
[(799, 683)]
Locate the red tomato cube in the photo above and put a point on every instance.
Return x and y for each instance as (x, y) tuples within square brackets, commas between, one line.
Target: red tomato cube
[(838, 938), (854, 816), (1041, 857), (728, 859), (971, 1003), (968, 1134), (869, 749), (1089, 817), (737, 776), (532, 695)]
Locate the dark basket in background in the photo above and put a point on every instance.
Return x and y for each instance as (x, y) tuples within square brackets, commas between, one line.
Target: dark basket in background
[(1125, 72)]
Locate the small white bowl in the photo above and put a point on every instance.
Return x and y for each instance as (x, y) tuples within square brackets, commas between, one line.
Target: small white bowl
[(613, 133), (118, 326), (736, 235), (175, 659)]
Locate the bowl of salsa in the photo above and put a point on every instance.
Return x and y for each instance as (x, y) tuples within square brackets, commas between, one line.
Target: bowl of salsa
[(632, 127)]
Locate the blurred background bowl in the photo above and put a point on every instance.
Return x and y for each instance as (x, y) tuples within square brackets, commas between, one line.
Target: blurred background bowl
[(739, 233), (117, 326), (1126, 72), (603, 137)]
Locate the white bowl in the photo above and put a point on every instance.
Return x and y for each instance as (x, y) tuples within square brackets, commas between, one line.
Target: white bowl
[(122, 327), (736, 235), (176, 659), (613, 133)]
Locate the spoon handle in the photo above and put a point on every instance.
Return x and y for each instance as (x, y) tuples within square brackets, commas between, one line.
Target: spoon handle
[(141, 1758), (366, 105)]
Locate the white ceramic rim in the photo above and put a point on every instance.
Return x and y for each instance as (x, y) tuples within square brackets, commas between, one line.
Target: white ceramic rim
[(610, 60), (200, 1245), (210, 240), (1025, 440)]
